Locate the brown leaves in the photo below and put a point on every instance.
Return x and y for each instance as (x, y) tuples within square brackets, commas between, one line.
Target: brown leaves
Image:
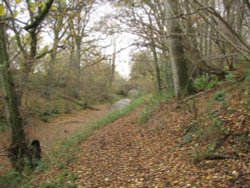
[(125, 154)]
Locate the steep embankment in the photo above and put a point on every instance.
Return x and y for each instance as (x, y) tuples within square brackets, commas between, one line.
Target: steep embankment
[(202, 143)]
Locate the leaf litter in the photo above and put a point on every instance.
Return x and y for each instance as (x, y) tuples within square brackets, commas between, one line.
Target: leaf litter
[(126, 154)]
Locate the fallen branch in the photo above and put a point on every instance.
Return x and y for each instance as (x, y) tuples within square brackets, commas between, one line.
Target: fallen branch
[(198, 94), (83, 105), (219, 157)]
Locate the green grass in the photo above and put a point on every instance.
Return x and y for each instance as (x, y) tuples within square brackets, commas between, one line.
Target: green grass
[(111, 117), (10, 179)]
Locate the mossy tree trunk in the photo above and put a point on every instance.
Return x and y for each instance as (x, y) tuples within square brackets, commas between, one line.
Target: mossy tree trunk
[(20, 153), (19, 150)]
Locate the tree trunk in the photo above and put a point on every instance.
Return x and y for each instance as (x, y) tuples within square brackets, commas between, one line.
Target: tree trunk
[(56, 30), (178, 63), (77, 68), (27, 68), (51, 67), (167, 76), (153, 49), (19, 151), (113, 64), (157, 69)]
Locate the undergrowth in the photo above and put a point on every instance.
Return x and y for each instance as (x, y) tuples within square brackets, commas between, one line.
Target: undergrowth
[(11, 179), (205, 81), (221, 132)]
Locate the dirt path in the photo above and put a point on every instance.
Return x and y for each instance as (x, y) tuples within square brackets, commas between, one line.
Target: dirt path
[(62, 127), (57, 130)]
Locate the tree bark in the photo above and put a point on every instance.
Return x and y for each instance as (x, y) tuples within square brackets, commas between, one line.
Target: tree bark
[(19, 150), (178, 62)]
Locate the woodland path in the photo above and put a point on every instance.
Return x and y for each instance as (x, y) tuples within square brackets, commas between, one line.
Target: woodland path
[(127, 154), (60, 128)]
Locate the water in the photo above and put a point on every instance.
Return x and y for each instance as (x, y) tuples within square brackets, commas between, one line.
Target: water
[(121, 104)]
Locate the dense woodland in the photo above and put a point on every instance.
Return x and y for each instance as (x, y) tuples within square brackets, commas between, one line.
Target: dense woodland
[(54, 59)]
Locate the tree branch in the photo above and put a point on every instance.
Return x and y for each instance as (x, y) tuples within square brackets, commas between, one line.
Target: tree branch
[(39, 18)]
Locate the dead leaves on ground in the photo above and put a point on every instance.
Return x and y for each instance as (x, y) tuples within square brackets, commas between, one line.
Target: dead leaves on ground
[(125, 154)]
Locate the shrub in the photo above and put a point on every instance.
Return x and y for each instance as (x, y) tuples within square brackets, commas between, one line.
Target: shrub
[(230, 78), (219, 96), (49, 112), (205, 81)]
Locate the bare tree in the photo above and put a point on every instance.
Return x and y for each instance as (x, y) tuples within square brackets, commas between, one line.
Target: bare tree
[(144, 25), (78, 22)]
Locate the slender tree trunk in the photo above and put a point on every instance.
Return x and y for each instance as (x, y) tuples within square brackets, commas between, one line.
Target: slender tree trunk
[(112, 62), (19, 151), (51, 67), (156, 63), (56, 30), (166, 69), (78, 67), (72, 54), (178, 62), (157, 69)]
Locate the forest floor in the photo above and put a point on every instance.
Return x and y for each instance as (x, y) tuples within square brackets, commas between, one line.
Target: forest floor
[(52, 133), (203, 142)]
